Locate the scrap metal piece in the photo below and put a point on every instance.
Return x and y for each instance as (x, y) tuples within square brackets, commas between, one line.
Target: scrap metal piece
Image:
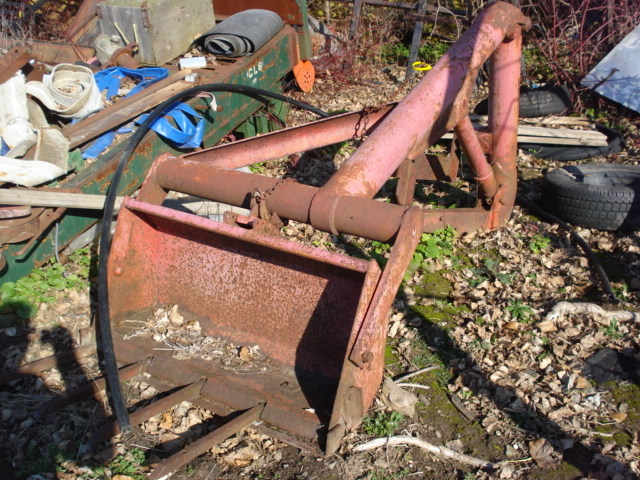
[(91, 388), (187, 393), (47, 363), (205, 443), (14, 60), (318, 315)]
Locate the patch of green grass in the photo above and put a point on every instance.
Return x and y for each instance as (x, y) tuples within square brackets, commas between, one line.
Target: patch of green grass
[(37, 461), (423, 357), (433, 49), (379, 252), (258, 167), (489, 269), (563, 471), (382, 424), (391, 53), (432, 246), (442, 313), (398, 52), (629, 394), (479, 344)]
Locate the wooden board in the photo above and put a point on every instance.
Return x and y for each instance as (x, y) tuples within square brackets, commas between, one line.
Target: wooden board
[(553, 136), (37, 198)]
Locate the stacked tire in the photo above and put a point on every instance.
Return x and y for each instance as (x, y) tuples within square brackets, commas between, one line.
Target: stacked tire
[(600, 196)]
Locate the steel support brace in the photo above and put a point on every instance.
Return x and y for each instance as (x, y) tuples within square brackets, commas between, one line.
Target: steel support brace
[(438, 103)]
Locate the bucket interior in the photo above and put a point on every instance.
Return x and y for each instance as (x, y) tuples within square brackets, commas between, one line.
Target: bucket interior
[(301, 306)]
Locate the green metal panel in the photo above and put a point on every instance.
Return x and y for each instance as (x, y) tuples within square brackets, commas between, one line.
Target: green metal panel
[(304, 35), (263, 71)]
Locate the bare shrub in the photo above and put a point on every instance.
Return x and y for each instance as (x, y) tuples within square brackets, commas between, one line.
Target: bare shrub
[(15, 25), (574, 35)]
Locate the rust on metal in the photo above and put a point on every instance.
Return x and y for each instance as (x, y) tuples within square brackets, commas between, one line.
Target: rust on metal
[(44, 220), (13, 211), (14, 60), (320, 316), (23, 225), (205, 443), (187, 393), (288, 141), (288, 10), (47, 363), (475, 153), (123, 57), (91, 388)]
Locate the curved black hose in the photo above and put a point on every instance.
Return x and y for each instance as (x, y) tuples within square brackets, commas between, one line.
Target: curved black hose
[(591, 256), (104, 315)]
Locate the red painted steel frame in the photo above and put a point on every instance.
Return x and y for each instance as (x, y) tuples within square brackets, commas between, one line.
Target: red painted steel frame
[(438, 103), (320, 315)]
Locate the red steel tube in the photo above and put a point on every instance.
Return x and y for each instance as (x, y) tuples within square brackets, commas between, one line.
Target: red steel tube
[(473, 150), (503, 123), (289, 199), (442, 94), (293, 140)]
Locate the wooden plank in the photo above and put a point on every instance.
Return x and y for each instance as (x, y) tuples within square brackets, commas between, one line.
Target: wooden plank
[(551, 140), (36, 198), (14, 60), (561, 133), (553, 120), (555, 132), (126, 109), (563, 141), (54, 53)]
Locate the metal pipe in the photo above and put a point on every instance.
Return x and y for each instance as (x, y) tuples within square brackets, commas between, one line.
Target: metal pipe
[(503, 122), (289, 199), (292, 140), (436, 104), (441, 94), (473, 150)]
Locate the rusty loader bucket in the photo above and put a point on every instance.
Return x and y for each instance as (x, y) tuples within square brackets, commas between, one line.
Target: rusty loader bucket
[(318, 319)]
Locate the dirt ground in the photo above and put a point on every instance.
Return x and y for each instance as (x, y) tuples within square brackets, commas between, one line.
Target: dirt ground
[(509, 384)]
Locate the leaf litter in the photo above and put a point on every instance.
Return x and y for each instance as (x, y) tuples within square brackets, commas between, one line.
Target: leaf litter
[(513, 362)]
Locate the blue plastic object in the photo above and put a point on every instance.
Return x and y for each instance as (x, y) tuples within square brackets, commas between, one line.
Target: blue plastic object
[(111, 78), (187, 131)]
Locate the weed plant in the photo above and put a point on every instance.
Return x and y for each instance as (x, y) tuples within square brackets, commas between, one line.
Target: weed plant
[(23, 296), (382, 424)]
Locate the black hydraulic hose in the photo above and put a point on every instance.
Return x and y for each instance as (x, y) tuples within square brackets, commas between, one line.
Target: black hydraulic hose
[(591, 256), (104, 315)]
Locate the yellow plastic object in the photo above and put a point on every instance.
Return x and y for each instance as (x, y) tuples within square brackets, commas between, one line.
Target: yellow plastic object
[(305, 75), (420, 66)]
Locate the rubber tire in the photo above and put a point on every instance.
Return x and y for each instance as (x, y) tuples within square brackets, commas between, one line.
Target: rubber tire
[(615, 144), (537, 102), (600, 196)]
